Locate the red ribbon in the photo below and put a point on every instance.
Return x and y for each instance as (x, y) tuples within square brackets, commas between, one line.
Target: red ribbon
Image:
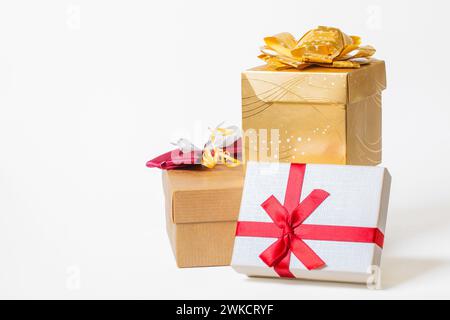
[(177, 159), (290, 231)]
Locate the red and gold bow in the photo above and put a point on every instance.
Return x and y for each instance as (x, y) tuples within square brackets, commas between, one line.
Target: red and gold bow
[(223, 147), (323, 46)]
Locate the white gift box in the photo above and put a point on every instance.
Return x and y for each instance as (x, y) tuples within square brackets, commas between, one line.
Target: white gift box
[(331, 227)]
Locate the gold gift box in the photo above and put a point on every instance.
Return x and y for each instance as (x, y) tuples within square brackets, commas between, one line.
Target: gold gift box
[(202, 207), (321, 115)]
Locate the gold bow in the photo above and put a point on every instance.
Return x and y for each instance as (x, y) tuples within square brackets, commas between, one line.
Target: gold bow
[(324, 46), (213, 154)]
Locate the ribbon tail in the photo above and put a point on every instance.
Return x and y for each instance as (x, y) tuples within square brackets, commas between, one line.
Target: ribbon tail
[(278, 256), (282, 268), (275, 253), (305, 254), (308, 206)]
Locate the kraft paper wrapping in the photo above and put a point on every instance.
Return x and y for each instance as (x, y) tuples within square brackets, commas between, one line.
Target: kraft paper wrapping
[(202, 206), (322, 115)]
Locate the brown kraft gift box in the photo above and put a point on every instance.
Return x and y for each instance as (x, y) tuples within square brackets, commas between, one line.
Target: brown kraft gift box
[(202, 207), (323, 115)]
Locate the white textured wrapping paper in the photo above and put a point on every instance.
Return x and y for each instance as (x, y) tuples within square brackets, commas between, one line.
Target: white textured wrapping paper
[(359, 197)]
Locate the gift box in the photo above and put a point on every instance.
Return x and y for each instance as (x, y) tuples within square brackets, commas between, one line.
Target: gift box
[(317, 222), (321, 115), (202, 207)]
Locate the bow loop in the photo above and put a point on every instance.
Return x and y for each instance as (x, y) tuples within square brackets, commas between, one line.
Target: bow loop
[(276, 211), (307, 206)]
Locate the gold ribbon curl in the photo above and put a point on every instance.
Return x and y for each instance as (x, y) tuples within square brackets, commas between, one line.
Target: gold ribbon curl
[(213, 155), (323, 46)]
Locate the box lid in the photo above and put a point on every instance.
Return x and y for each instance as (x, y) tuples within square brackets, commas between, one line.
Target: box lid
[(204, 195), (315, 85), (355, 203)]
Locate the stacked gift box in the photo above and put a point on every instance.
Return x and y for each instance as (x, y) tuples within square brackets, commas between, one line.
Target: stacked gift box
[(297, 193)]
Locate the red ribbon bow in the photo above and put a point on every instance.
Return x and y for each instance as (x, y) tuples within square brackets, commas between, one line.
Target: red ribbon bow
[(290, 230)]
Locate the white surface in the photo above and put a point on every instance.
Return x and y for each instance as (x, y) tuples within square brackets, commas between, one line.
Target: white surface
[(356, 196), (90, 90)]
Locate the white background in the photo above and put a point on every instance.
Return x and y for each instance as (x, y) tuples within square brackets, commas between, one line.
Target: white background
[(90, 90)]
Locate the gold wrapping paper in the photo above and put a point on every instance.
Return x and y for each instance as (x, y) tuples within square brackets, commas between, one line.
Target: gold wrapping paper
[(321, 115)]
